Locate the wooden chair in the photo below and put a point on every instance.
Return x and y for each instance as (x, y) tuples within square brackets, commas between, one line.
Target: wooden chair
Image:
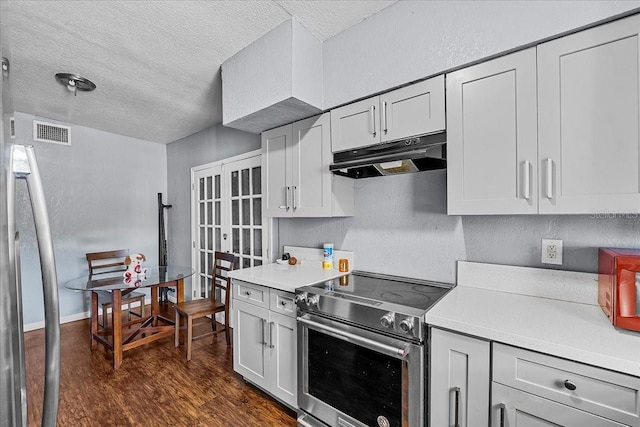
[(196, 309), (104, 262)]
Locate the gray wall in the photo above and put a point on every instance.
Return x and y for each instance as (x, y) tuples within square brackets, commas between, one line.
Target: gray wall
[(210, 145), (400, 226), (101, 194)]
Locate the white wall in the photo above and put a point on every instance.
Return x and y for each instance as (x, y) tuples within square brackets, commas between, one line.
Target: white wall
[(210, 145), (411, 40), (101, 194), (400, 226)]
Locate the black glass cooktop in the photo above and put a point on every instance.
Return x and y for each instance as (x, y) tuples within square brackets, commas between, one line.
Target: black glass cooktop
[(361, 286)]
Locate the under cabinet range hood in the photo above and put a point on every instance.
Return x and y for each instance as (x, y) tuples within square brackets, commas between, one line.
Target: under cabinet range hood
[(418, 154)]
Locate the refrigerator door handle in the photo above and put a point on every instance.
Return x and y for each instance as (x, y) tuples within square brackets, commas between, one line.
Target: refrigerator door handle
[(24, 165)]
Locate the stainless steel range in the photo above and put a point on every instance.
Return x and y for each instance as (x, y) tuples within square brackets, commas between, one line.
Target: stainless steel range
[(361, 350)]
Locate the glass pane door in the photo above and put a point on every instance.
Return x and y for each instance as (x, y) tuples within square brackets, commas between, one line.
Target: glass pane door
[(208, 218), (244, 182), (227, 217)]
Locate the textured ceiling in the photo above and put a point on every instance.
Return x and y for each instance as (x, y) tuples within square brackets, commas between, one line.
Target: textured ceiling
[(156, 63)]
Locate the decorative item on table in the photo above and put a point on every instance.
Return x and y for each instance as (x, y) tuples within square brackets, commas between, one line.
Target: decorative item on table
[(327, 262), (134, 272)]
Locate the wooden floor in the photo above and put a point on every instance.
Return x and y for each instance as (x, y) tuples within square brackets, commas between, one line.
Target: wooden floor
[(155, 386)]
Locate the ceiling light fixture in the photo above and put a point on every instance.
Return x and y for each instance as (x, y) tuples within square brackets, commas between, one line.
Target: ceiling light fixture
[(5, 67), (74, 82)]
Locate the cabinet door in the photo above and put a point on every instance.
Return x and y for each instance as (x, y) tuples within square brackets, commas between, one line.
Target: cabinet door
[(311, 184), (515, 408), (588, 94), (355, 125), (459, 378), (413, 110), (283, 345), (491, 137), (250, 357), (276, 171)]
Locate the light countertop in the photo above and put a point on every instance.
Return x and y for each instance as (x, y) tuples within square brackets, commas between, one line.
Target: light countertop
[(572, 330), (286, 277)]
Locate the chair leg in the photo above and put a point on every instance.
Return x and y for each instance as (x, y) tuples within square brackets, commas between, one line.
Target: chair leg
[(189, 336), (177, 329), (129, 311), (104, 317), (226, 327)]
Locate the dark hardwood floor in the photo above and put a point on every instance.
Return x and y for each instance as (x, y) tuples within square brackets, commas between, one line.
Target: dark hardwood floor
[(155, 386)]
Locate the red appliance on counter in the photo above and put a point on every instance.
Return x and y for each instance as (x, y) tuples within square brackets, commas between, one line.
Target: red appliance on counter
[(618, 292)]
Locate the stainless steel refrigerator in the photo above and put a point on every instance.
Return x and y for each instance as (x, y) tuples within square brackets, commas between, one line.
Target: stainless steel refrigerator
[(19, 162)]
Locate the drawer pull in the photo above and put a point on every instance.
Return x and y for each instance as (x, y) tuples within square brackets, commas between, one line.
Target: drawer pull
[(247, 293), (569, 385), (283, 303)]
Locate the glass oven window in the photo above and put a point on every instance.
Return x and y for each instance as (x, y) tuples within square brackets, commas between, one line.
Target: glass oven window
[(362, 383)]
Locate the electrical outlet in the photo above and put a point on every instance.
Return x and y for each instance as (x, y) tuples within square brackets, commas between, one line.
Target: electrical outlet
[(552, 251)]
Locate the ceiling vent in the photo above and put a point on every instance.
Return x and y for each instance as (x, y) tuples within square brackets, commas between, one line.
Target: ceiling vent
[(51, 132), (12, 127)]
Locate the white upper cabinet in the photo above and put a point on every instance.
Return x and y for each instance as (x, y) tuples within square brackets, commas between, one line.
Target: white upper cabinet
[(296, 176), (588, 97), (582, 93), (491, 137), (410, 111)]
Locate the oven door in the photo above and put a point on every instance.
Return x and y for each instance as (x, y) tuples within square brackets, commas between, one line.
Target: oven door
[(348, 376)]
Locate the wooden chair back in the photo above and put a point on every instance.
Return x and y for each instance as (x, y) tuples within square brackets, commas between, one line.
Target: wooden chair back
[(104, 262), (223, 264)]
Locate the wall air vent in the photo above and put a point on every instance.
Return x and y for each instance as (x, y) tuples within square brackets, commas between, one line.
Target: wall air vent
[(12, 127), (51, 132)]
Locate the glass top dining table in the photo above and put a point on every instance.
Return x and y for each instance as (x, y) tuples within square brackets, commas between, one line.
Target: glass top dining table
[(120, 335), (116, 279)]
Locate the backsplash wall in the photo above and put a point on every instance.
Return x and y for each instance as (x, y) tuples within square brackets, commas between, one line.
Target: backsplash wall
[(401, 228)]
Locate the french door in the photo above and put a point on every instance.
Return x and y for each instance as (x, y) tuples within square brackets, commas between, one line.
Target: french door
[(227, 216)]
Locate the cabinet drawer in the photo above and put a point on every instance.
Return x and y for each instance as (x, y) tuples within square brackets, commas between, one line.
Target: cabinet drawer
[(253, 294), (515, 408), (610, 394), (282, 302)]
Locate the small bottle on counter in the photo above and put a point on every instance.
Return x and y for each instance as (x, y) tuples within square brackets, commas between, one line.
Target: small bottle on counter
[(327, 262)]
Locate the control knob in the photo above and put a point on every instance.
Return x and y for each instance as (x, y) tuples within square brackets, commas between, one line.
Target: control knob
[(313, 300), (387, 320), (406, 325), (301, 298)]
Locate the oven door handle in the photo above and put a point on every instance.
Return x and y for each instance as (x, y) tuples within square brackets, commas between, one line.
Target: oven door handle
[(382, 348)]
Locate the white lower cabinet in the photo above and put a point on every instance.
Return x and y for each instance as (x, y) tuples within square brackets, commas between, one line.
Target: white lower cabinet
[(515, 408), (526, 388), (534, 389), (460, 379), (265, 339)]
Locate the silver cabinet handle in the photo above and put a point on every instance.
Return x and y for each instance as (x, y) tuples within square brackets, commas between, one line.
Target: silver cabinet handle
[(456, 413), (383, 112), (372, 120), (526, 193), (570, 385), (549, 167), (357, 339), (262, 325), (293, 197), (286, 199), (24, 165), (501, 407), (271, 335)]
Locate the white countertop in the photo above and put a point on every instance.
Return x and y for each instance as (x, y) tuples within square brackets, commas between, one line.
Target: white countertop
[(285, 277), (572, 330)]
